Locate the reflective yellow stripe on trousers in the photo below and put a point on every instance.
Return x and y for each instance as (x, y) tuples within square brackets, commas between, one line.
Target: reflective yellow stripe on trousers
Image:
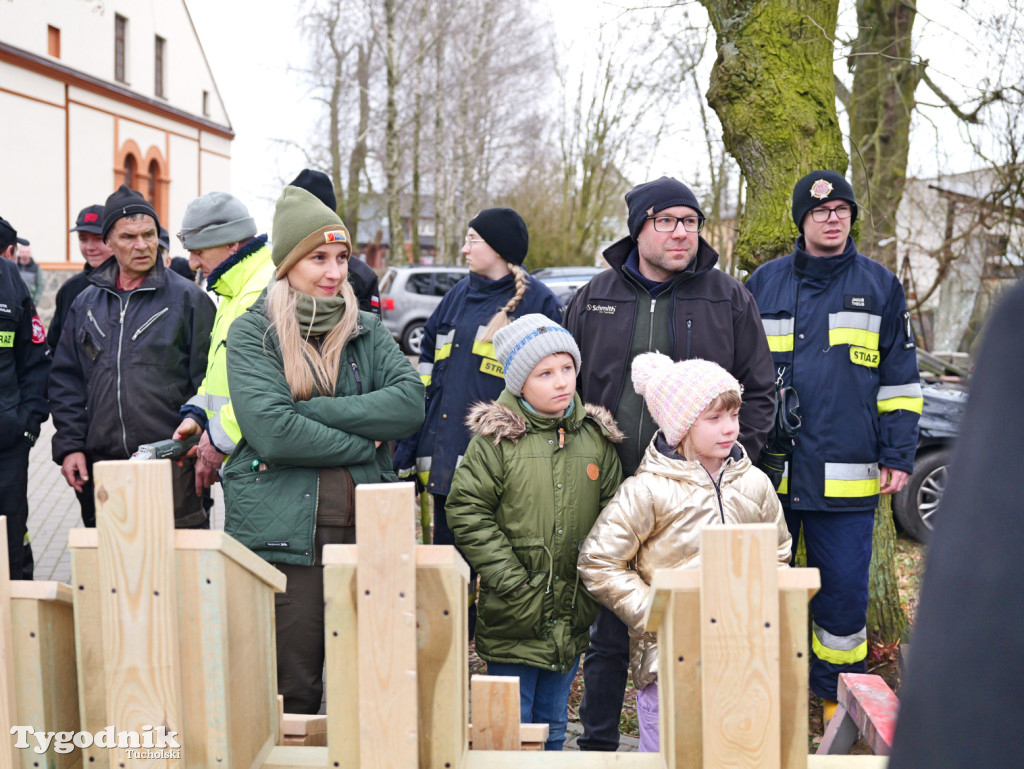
[(838, 649)]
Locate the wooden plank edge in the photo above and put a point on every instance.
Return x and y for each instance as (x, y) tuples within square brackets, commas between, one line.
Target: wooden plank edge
[(527, 732), (511, 759), (42, 591), (296, 724), (295, 757), (200, 539), (427, 556)]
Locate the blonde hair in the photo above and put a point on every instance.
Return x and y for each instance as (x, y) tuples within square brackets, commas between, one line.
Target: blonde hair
[(501, 318), (307, 368), (730, 400)]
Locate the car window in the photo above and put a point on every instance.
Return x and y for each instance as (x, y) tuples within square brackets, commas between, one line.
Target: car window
[(446, 281), (421, 283), (385, 284)]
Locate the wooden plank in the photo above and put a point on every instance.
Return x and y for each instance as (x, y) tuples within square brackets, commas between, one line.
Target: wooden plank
[(495, 712), (292, 757), (42, 591), (442, 653), (873, 707), (8, 706), (793, 671), (300, 724), (46, 682), (528, 733), (840, 734), (386, 606), (139, 601), (341, 650), (679, 688), (92, 689), (739, 611), (847, 762), (569, 759)]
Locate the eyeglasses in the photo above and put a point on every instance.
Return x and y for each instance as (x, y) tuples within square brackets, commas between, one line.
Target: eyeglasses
[(664, 223), (823, 214), (470, 240)]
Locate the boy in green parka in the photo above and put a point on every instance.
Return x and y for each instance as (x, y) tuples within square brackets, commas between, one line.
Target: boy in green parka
[(536, 474)]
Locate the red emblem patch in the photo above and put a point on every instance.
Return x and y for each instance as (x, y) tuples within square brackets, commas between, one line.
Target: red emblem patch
[(38, 332)]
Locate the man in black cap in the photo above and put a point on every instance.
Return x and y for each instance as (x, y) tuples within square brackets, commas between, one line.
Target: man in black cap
[(135, 349), (24, 364), (89, 227), (361, 275), (661, 294), (839, 332)]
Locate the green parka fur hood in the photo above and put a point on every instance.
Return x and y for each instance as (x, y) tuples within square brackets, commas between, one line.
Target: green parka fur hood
[(522, 501)]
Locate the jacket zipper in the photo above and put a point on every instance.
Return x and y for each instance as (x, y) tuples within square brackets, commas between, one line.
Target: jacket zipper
[(355, 373), (689, 337), (149, 323), (97, 325), (316, 511), (120, 339), (650, 343), (718, 493)]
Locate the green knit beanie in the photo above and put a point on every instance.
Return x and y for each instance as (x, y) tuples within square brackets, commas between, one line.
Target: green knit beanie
[(301, 223)]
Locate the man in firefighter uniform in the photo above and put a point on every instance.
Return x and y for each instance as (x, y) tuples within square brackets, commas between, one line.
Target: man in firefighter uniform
[(839, 331), (24, 364)]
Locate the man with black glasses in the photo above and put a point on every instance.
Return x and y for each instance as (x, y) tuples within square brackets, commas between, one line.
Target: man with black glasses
[(839, 331), (662, 293)]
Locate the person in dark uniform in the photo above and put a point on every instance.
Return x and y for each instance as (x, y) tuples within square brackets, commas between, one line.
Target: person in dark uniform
[(89, 227), (24, 366)]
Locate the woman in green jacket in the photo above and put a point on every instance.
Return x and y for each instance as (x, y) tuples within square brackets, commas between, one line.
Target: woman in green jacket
[(535, 476), (318, 388)]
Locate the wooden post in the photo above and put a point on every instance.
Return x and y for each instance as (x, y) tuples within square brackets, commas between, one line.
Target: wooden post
[(341, 650), (386, 605), (139, 603), (496, 716), (8, 707), (740, 647)]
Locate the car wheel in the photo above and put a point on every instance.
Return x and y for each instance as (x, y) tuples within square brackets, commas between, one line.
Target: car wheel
[(915, 507), (412, 338)]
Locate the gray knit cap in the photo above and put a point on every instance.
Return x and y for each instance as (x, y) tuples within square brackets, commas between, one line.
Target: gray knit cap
[(215, 219), (524, 343)]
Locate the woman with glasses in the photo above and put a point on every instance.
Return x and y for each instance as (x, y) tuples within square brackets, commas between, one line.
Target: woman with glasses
[(457, 360)]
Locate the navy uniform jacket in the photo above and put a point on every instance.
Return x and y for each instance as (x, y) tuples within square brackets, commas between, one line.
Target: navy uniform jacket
[(460, 371), (839, 332)]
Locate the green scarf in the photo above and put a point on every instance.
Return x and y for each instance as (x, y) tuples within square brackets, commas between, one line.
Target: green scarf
[(317, 316)]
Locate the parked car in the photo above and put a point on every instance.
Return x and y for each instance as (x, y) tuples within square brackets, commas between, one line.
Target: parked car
[(571, 271), (408, 296), (564, 282), (945, 399)]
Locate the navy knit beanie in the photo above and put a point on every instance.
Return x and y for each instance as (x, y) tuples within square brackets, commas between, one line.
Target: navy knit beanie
[(820, 187), (319, 184), (125, 201), (654, 197), (505, 232)]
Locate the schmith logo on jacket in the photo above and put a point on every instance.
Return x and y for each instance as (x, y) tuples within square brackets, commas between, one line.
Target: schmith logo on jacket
[(604, 309)]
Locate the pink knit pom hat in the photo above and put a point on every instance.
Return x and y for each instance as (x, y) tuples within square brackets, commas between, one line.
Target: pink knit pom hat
[(677, 393)]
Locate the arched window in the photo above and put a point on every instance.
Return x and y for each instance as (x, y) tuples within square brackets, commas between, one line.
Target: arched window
[(154, 175), (130, 171)]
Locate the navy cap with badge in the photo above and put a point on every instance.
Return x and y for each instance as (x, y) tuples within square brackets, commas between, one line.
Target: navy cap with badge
[(820, 187)]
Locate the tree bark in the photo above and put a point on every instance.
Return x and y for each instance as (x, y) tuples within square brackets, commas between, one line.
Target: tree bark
[(885, 76), (392, 161), (886, 619), (772, 89), (357, 158)]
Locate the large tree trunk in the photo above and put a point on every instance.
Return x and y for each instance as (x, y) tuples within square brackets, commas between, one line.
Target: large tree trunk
[(357, 158), (886, 618), (772, 89), (885, 76)]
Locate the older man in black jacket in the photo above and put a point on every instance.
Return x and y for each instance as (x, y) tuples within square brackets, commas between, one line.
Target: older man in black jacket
[(134, 348), (662, 293)]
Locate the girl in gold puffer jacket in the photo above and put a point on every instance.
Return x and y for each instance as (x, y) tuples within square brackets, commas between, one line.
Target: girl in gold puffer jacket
[(694, 474)]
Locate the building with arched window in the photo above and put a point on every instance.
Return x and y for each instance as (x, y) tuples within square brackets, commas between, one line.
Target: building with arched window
[(98, 94)]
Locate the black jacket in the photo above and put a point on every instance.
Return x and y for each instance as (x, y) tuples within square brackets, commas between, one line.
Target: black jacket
[(365, 285), (711, 316), (126, 361), (24, 361)]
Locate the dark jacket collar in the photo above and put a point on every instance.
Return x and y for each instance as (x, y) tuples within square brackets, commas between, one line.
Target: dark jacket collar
[(617, 253), (479, 285), (105, 276), (822, 267), (248, 249)]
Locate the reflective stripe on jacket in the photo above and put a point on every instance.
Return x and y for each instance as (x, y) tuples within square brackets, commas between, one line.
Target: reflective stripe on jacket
[(839, 332)]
